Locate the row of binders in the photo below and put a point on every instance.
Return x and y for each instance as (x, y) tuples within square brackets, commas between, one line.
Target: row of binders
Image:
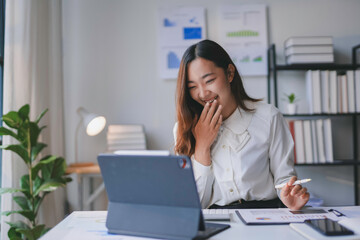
[(125, 137), (328, 92), (313, 141), (314, 49)]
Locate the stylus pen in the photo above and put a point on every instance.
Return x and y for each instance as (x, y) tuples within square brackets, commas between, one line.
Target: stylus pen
[(296, 182)]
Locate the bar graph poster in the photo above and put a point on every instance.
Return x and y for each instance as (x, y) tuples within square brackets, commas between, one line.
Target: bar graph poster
[(243, 30), (178, 29)]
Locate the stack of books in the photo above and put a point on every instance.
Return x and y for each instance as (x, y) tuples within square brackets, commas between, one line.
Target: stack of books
[(125, 137), (302, 50), (328, 92), (313, 141)]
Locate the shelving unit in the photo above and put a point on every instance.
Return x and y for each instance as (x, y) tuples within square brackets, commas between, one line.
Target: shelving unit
[(273, 69)]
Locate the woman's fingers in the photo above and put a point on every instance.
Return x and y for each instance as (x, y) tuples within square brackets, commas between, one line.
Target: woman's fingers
[(216, 117), (305, 196), (286, 190), (204, 112), (301, 192), (218, 124), (292, 180), (296, 189), (211, 111)]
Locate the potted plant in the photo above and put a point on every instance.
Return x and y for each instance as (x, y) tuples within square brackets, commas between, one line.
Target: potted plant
[(44, 175), (291, 103)]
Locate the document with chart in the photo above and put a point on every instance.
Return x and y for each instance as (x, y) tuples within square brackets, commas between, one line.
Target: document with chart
[(281, 215)]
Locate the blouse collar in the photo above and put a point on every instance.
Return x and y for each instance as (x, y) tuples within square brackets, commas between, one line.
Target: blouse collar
[(240, 119)]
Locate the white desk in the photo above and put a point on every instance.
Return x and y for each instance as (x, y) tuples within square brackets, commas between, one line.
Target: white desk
[(91, 225)]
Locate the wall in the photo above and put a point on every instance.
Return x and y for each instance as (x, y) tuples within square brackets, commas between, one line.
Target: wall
[(110, 66)]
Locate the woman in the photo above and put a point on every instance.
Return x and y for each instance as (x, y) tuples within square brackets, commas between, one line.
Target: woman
[(240, 147)]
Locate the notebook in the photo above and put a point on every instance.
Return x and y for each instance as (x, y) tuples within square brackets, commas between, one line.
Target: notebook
[(153, 196)]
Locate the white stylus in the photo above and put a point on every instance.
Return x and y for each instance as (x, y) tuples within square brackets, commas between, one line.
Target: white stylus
[(296, 182)]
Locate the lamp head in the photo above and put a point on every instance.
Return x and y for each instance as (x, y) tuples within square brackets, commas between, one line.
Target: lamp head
[(93, 123)]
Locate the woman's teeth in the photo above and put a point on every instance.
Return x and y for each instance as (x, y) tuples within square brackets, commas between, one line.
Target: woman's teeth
[(211, 101)]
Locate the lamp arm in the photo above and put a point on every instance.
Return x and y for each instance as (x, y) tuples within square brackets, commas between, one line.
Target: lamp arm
[(76, 139)]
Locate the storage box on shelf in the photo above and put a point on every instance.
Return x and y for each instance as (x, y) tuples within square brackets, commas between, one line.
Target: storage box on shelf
[(309, 49), (323, 110)]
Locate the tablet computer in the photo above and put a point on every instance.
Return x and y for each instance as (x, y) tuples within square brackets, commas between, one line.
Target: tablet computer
[(153, 196)]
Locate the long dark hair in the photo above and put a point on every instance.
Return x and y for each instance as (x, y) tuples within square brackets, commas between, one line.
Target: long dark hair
[(186, 107)]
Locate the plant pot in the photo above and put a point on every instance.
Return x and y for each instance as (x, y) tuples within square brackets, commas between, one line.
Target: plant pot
[(291, 108)]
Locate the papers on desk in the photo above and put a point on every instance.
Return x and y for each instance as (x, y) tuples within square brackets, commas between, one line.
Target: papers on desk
[(281, 215)]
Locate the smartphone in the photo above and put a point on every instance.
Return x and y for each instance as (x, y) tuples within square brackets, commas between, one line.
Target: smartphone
[(328, 227)]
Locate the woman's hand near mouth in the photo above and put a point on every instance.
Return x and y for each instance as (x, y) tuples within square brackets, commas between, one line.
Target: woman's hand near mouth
[(206, 130)]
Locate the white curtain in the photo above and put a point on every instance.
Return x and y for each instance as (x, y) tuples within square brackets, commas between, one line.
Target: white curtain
[(33, 74)]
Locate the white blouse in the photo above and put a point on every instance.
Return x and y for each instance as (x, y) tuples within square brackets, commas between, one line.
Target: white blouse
[(252, 153)]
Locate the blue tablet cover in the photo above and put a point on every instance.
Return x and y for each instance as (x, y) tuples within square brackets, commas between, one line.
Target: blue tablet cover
[(152, 196)]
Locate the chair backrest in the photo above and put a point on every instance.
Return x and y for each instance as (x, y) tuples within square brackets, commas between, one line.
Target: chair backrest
[(125, 137)]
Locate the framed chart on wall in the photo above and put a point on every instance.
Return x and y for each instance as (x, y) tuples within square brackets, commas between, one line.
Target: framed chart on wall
[(243, 30), (178, 28)]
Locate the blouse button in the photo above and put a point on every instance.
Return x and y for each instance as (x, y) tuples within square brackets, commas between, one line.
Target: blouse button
[(223, 146), (231, 190)]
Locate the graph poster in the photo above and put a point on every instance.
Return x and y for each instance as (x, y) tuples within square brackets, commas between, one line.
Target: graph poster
[(243, 30), (178, 29)]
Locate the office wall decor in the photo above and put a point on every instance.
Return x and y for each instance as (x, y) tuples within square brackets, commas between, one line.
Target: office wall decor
[(243, 30), (178, 29)]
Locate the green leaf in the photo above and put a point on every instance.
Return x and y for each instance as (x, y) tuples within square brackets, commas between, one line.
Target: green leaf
[(37, 202), (19, 150), (55, 169), (27, 233), (45, 231), (25, 186), (32, 234), (43, 127), (22, 202), (18, 224), (40, 116), (12, 119), (37, 183), (13, 234), (49, 186), (10, 190), (34, 133), (5, 131), (38, 231), (24, 112), (23, 133), (44, 161), (35, 150), (59, 168), (26, 213)]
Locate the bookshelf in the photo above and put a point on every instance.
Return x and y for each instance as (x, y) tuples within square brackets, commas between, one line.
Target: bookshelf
[(273, 69)]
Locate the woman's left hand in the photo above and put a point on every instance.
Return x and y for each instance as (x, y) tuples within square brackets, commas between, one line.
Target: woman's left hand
[(294, 196)]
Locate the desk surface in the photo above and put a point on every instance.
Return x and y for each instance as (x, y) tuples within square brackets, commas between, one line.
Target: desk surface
[(83, 168), (91, 225)]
